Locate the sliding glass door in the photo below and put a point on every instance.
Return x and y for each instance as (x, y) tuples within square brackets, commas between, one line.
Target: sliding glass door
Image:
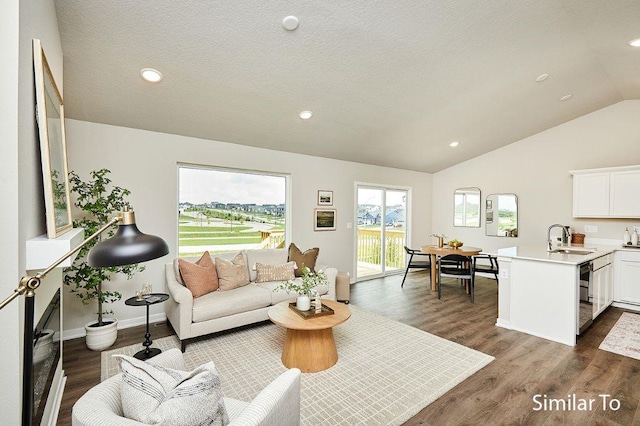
[(381, 231)]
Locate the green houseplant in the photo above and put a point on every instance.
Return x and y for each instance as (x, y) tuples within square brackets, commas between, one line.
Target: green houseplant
[(308, 281), (98, 202)]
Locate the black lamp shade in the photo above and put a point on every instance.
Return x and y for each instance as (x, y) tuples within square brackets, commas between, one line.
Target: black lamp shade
[(127, 247)]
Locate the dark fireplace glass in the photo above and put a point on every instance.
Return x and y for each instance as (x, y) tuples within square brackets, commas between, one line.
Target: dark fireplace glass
[(46, 354)]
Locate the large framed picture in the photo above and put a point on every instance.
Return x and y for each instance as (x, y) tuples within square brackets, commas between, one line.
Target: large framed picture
[(325, 198), (53, 148), (324, 220)]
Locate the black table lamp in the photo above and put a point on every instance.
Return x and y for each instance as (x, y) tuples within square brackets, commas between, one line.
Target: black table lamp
[(127, 247)]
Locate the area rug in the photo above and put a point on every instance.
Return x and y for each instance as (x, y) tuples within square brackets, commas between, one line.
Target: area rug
[(386, 372), (624, 337)]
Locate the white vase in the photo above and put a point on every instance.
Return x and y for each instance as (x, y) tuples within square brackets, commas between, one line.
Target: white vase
[(303, 303), (100, 338)]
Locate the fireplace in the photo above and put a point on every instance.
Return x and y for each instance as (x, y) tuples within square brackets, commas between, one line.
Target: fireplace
[(46, 355)]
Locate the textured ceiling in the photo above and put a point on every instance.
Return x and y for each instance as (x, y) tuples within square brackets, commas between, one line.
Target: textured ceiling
[(389, 82)]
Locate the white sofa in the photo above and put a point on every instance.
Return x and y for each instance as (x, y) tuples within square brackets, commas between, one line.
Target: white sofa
[(276, 405), (222, 310)]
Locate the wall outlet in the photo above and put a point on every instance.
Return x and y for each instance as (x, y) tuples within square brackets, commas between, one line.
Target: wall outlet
[(590, 228), (504, 274)]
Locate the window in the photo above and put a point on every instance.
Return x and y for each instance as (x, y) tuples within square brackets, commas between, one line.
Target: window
[(223, 210)]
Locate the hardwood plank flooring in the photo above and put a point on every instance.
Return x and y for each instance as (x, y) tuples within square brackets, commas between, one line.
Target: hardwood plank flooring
[(500, 393)]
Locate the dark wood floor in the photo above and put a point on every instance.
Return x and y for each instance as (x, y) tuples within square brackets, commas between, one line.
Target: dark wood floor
[(500, 393)]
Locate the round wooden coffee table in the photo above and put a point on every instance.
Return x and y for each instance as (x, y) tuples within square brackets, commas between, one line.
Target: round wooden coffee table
[(309, 344)]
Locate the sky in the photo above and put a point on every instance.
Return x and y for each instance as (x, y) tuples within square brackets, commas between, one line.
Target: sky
[(201, 185)]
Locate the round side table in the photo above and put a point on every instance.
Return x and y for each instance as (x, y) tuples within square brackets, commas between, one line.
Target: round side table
[(152, 299)]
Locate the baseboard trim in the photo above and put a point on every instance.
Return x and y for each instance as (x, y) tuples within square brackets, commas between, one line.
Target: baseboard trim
[(122, 324)]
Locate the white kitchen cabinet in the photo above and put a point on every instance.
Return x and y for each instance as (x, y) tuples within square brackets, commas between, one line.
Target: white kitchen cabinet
[(627, 277), (602, 284), (624, 200), (591, 195), (609, 192)]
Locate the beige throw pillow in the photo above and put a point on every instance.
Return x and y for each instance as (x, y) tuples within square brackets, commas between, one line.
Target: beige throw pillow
[(163, 396), (268, 273), (308, 258), (199, 277), (233, 273)]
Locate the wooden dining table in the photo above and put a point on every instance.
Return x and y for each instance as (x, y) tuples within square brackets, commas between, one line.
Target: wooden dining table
[(436, 251)]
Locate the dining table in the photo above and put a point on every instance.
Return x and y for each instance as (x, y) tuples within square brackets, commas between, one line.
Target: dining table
[(445, 250)]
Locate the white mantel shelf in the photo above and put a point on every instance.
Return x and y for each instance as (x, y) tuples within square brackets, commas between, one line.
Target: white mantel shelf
[(43, 251)]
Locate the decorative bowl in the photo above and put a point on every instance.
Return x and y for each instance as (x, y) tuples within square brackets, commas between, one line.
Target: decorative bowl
[(455, 244)]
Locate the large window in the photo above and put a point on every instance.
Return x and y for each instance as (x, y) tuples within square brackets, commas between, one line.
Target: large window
[(223, 210)]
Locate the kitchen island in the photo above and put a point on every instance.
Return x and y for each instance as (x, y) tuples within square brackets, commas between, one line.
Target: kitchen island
[(539, 291)]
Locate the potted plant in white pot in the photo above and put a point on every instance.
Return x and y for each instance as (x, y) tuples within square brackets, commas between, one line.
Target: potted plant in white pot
[(98, 204), (308, 282)]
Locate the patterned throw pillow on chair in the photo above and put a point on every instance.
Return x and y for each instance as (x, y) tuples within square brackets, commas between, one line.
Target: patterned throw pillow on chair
[(163, 396)]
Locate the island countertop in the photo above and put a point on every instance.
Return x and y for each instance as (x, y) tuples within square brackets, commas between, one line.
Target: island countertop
[(540, 253)]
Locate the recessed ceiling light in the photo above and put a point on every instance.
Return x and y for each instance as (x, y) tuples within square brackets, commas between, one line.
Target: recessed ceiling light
[(566, 97), (305, 115), (542, 77), (290, 23), (151, 75), (635, 43), (454, 144)]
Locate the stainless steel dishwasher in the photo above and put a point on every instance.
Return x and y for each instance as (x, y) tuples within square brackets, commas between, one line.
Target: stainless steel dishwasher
[(585, 307)]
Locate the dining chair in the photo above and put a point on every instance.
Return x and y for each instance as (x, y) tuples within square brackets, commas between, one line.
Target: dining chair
[(489, 268), (463, 269), (419, 262)]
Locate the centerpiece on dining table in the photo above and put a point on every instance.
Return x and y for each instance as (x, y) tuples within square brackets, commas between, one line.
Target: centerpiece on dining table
[(455, 243)]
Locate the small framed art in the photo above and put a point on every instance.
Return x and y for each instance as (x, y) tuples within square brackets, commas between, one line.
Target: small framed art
[(324, 220), (325, 198)]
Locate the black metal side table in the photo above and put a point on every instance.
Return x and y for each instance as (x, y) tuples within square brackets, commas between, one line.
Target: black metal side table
[(152, 299)]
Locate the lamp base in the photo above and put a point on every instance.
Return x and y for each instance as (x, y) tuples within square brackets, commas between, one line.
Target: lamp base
[(147, 353)]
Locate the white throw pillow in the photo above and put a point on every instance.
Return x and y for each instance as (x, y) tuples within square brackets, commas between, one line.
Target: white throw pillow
[(268, 273), (163, 396)]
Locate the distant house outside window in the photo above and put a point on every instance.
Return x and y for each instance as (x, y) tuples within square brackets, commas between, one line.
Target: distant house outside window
[(226, 210)]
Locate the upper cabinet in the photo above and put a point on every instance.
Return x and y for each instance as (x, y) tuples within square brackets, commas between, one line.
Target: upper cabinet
[(611, 192)]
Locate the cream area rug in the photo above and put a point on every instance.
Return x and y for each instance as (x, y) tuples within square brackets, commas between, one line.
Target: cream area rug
[(386, 371), (624, 337)]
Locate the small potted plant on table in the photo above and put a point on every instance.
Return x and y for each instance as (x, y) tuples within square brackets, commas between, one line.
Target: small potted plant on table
[(309, 281)]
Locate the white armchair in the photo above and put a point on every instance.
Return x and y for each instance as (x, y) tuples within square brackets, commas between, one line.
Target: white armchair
[(276, 405)]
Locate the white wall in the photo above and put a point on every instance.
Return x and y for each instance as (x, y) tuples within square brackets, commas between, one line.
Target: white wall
[(22, 213), (10, 357), (536, 169), (146, 163)]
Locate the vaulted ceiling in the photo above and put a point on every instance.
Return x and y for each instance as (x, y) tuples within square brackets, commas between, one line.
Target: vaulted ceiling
[(389, 83)]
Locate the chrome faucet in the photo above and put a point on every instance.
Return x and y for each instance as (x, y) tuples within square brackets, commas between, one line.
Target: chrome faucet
[(565, 232)]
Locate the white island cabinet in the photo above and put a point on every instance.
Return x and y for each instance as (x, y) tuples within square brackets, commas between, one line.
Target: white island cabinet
[(539, 291), (601, 284)]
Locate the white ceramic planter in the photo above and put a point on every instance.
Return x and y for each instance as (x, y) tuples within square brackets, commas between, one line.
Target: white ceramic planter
[(303, 303), (100, 338)]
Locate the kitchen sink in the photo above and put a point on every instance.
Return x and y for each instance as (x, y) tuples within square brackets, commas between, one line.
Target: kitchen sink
[(565, 250)]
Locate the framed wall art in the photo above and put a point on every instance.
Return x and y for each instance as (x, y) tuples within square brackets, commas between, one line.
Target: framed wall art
[(53, 148), (325, 198), (324, 220)]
